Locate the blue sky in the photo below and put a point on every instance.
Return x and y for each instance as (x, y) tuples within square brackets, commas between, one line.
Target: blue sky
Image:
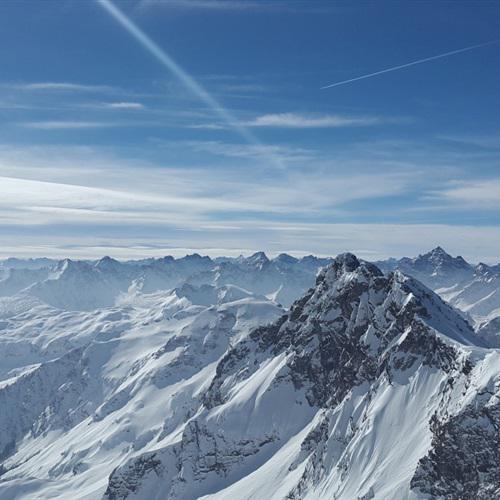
[(105, 149)]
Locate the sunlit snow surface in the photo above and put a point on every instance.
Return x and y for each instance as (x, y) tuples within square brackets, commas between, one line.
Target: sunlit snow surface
[(152, 381), (89, 389)]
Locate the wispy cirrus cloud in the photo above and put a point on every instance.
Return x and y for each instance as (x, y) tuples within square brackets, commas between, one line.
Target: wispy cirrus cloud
[(307, 6), (35, 189), (296, 120), (123, 105), (484, 141), (88, 195), (479, 194), (215, 5), (66, 125), (63, 86), (306, 121), (251, 151)]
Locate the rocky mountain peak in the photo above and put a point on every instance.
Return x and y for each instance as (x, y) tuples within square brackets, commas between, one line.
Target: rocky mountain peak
[(107, 264), (258, 260), (353, 325), (436, 269), (195, 257), (439, 252), (68, 267), (348, 263), (258, 257), (284, 258), (439, 257), (483, 270)]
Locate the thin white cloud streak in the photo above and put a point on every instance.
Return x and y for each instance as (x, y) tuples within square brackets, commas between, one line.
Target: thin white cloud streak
[(242, 88), (91, 203), (479, 194), (483, 141), (306, 121), (295, 120), (208, 126), (203, 4), (124, 105), (67, 125), (250, 151), (301, 6), (189, 82), (407, 65), (64, 86), (223, 5)]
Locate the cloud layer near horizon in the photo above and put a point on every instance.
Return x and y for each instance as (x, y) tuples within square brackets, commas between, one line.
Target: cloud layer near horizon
[(87, 201)]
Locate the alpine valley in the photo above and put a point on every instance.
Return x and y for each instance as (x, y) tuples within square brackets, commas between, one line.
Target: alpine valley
[(250, 378)]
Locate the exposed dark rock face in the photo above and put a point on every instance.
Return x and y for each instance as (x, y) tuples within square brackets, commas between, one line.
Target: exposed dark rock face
[(127, 480), (341, 332), (314, 446), (464, 461)]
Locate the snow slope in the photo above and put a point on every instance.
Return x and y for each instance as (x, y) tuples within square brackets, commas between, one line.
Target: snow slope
[(369, 386), (80, 392)]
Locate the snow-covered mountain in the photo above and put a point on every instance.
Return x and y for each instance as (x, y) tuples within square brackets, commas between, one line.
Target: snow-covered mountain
[(84, 285), (348, 395), (13, 280), (473, 289), (437, 268), (282, 279), (369, 386), (83, 391)]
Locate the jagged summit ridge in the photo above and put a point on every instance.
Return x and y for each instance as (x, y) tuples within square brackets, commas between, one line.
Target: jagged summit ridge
[(348, 263), (437, 261)]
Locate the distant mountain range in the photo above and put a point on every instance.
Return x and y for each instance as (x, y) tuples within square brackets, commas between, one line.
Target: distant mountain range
[(86, 285), (473, 289), (250, 378)]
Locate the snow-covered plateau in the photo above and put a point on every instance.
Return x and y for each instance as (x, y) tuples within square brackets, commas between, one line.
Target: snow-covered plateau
[(250, 378)]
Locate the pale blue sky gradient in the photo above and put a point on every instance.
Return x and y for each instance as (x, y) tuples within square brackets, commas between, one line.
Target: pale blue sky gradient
[(229, 144)]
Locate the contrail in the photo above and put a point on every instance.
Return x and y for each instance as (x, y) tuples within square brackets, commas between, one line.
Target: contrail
[(190, 83), (413, 63)]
